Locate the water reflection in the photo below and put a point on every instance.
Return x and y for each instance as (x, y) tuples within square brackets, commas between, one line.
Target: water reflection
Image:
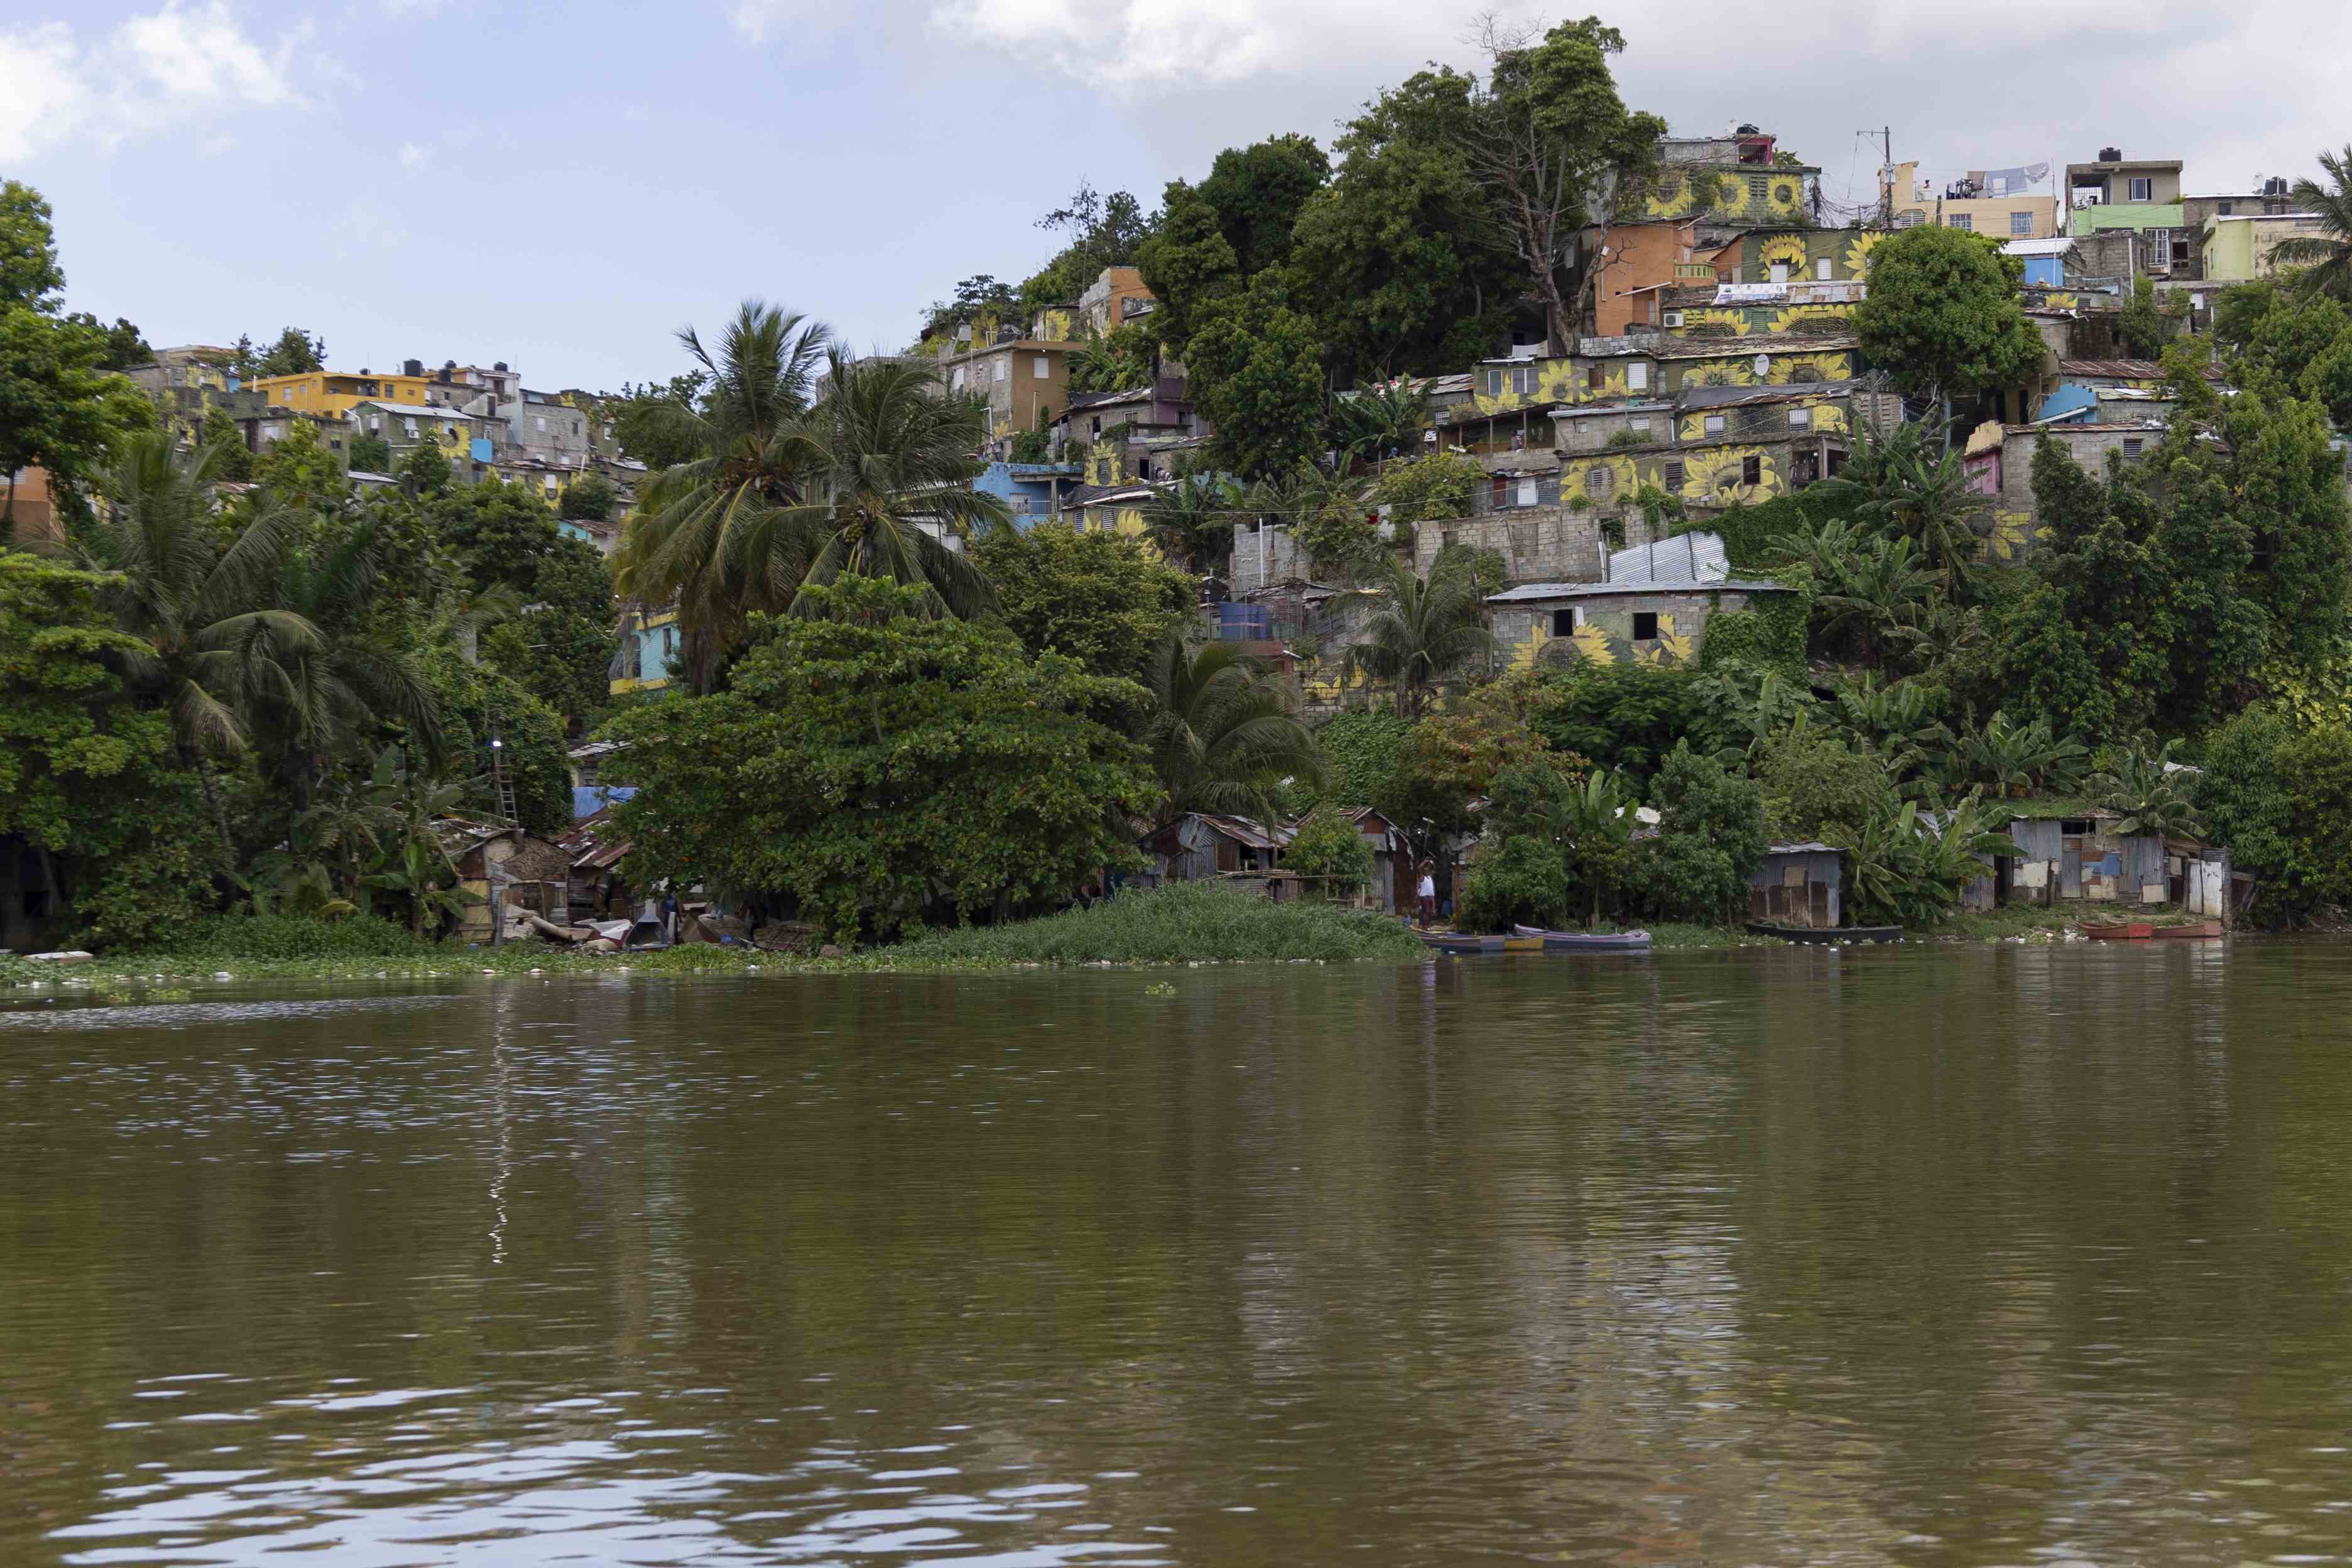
[(1933, 1256)]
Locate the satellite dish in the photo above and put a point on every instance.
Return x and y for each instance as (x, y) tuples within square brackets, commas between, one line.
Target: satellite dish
[(1763, 364)]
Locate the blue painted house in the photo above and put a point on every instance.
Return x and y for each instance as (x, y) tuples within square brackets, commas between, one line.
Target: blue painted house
[(1031, 489)]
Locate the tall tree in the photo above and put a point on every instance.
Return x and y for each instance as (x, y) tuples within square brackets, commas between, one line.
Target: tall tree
[(2325, 258), (1256, 192), (1188, 264), (296, 352), (29, 275), (1549, 135), (1257, 370), (1943, 315)]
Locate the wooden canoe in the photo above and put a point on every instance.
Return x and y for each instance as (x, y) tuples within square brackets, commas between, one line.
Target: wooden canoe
[(1827, 936), (2193, 928), (1585, 941), (2120, 930), (1462, 943)]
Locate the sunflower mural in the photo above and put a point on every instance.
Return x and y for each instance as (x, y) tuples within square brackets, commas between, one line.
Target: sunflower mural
[(1784, 249), (1789, 368), (1619, 481), (1720, 478), (1672, 647), (1811, 317), (1857, 255), (1719, 372), (1785, 195), (1594, 643), (1667, 197), (2012, 536), (1555, 381), (1735, 321), (1828, 415)]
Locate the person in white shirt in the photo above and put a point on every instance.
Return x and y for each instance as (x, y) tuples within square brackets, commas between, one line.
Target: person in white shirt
[(1428, 894)]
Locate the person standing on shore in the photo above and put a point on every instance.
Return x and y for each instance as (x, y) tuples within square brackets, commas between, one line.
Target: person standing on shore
[(1428, 893)]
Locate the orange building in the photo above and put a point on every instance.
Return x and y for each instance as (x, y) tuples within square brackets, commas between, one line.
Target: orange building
[(26, 509), (1638, 262)]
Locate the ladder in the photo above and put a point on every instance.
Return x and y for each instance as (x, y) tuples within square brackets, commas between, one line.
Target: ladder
[(501, 782)]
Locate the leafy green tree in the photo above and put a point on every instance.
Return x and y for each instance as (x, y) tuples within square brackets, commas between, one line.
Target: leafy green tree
[(878, 770), (86, 784), (296, 352), (1384, 419), (2014, 759), (654, 424), (1104, 231), (1428, 632), (1447, 762), (1814, 782), (1188, 264), (2143, 326), (1094, 597), (1625, 717), (1256, 192), (1943, 314), (220, 432), (477, 703), (2281, 330), (1518, 879), (1407, 273), (1256, 370), (1902, 869), (1116, 361), (1327, 846), (368, 453), (1361, 753), (1547, 137), (502, 531), (2035, 660), (1710, 838), (589, 498), (1220, 735), (1909, 480), (30, 278), (299, 471), (123, 345), (1430, 490), (2325, 258), (58, 409), (425, 470)]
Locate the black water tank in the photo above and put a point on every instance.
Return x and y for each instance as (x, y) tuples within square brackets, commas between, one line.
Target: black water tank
[(412, 367), (499, 365), (2111, 155)]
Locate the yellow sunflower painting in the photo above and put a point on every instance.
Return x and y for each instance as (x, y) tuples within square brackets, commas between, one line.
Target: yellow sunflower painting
[(1789, 368), (1735, 321), (1787, 249), (1673, 646), (1720, 477), (2012, 536), (1812, 318), (1857, 255), (1593, 644)]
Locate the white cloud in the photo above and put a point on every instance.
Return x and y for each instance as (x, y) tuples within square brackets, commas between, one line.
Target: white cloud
[(175, 65), (759, 20), (411, 156)]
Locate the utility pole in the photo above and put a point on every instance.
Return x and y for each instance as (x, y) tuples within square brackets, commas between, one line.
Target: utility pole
[(1887, 178)]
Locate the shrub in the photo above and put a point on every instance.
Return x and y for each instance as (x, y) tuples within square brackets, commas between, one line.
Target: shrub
[(1176, 924), (1328, 845), (229, 938), (1710, 838)]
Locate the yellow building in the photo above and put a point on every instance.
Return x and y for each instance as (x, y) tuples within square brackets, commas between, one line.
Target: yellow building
[(330, 392), (2239, 248), (649, 640)]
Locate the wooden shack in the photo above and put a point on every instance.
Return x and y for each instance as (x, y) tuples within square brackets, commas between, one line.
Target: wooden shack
[(1800, 883)]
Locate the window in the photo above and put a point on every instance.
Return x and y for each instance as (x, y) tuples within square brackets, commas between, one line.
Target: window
[(2021, 224), (577, 428), (1760, 188), (2223, 210), (538, 422), (1751, 470), (1493, 383), (1821, 268), (1523, 379), (2075, 828), (1595, 378), (1638, 426), (1637, 377), (411, 424), (1801, 418), (1779, 272), (2142, 189), (1498, 491), (956, 381), (1715, 424), (1673, 477), (1962, 221), (2131, 445), (1563, 623), (2179, 250), (1598, 481), (1004, 368), (1041, 369), (289, 395), (1527, 492), (1645, 625)]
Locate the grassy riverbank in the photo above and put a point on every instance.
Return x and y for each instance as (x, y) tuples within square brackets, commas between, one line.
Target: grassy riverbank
[(1172, 925)]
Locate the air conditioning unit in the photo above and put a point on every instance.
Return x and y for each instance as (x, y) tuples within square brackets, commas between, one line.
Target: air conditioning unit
[(1673, 318)]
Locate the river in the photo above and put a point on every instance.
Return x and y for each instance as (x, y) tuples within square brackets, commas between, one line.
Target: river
[(1918, 1255)]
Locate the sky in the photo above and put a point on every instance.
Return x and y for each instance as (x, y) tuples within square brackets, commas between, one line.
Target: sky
[(564, 186)]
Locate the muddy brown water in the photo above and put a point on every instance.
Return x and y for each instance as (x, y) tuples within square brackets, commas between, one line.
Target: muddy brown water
[(1935, 1256)]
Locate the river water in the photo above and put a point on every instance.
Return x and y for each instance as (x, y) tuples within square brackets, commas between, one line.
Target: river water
[(1943, 1255)]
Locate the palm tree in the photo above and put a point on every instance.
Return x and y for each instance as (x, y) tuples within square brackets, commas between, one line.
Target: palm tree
[(2144, 789), (1221, 736), (2327, 257), (212, 631), (1428, 631), (1192, 520), (708, 533), (1385, 417), (882, 469), (1873, 584)]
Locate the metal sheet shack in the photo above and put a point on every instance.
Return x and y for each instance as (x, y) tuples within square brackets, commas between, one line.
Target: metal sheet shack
[(1200, 845), (2079, 855), (1800, 883)]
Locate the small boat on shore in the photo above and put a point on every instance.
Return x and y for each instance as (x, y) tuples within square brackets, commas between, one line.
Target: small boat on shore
[(2192, 931), (1583, 941), (2120, 930), (1464, 943), (1826, 936)]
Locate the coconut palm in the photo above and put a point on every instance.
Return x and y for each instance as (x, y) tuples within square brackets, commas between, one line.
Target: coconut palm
[(882, 470), (2325, 258), (1221, 736), (1191, 522), (1429, 631), (207, 616), (708, 533)]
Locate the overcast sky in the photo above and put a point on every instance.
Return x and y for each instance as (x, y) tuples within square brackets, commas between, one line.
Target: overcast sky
[(562, 186)]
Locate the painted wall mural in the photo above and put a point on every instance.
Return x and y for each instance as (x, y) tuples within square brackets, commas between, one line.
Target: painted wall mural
[(1714, 476), (1605, 636), (1759, 195), (1737, 368)]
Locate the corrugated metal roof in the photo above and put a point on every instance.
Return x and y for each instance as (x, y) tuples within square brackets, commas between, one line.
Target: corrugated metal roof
[(2113, 369), (1754, 343), (2057, 247), (1684, 559), (1779, 392)]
